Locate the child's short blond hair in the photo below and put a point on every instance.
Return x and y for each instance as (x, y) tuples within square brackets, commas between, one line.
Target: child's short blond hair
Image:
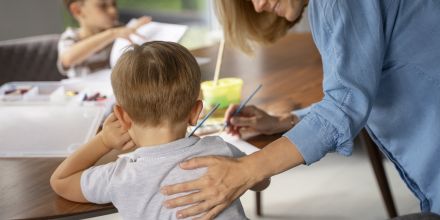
[(243, 26), (157, 82)]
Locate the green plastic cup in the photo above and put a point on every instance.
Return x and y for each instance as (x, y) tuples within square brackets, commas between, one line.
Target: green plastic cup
[(227, 91)]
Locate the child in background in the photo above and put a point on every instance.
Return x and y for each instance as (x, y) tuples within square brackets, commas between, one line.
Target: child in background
[(156, 86), (86, 49)]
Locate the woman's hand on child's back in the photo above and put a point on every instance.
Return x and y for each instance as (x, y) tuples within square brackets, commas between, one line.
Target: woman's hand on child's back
[(114, 136)]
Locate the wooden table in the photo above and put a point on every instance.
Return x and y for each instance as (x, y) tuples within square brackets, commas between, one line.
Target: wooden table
[(290, 72)]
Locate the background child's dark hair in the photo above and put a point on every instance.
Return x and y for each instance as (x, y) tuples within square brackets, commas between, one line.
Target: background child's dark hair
[(156, 82)]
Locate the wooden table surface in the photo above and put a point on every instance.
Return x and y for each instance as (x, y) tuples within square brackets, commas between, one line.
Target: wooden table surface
[(290, 72)]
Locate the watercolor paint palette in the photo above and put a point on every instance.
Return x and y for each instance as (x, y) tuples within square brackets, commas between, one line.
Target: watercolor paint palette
[(55, 93), (46, 130), (55, 117)]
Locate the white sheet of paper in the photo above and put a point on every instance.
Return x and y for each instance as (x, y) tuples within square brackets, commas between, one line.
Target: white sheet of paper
[(46, 130), (151, 32), (203, 60), (244, 146)]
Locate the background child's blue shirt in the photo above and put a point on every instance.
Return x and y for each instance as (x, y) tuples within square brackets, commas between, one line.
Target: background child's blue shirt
[(381, 62)]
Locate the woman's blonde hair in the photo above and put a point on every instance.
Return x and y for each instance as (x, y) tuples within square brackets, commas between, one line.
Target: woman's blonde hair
[(243, 26)]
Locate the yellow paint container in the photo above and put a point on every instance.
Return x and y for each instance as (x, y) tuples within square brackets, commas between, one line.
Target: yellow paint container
[(227, 91)]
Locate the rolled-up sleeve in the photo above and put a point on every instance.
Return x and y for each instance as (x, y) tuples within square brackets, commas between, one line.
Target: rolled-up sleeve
[(349, 36), (66, 41)]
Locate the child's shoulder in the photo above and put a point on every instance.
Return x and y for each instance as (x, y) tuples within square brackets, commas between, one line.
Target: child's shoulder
[(212, 140), (217, 143), (114, 167)]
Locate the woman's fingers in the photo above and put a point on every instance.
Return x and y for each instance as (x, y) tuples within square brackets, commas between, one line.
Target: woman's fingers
[(198, 162), (203, 201), (246, 118), (195, 210), (211, 214), (249, 110), (194, 163), (244, 121), (181, 187), (230, 111), (189, 199), (233, 130)]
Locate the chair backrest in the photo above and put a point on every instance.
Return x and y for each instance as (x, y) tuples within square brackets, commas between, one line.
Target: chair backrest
[(29, 59)]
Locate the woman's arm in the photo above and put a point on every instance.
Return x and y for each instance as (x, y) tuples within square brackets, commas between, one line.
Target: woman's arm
[(228, 178), (260, 186)]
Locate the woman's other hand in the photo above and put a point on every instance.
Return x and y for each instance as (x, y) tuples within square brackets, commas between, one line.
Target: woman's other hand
[(253, 119)]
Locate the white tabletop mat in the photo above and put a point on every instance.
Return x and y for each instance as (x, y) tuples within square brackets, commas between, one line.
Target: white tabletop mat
[(47, 131)]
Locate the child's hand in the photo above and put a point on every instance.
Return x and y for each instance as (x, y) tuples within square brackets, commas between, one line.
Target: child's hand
[(125, 32), (141, 21), (114, 136)]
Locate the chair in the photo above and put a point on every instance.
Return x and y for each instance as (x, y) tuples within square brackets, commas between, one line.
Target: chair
[(376, 161), (29, 59)]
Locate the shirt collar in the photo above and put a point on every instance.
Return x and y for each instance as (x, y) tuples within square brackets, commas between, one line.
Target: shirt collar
[(162, 149)]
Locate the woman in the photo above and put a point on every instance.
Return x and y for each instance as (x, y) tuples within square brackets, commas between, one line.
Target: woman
[(380, 72)]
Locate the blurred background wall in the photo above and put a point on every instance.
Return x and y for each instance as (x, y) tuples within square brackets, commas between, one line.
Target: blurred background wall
[(23, 18)]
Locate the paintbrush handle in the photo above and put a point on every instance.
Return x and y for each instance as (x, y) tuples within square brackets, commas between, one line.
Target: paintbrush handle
[(203, 120), (219, 61)]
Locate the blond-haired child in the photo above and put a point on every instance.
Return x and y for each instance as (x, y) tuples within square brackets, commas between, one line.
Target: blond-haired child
[(86, 49), (156, 86)]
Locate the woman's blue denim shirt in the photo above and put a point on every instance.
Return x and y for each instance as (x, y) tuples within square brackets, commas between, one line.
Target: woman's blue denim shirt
[(381, 62)]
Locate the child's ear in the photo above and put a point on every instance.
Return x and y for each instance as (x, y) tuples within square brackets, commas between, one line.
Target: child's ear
[(75, 9), (122, 116), (195, 112)]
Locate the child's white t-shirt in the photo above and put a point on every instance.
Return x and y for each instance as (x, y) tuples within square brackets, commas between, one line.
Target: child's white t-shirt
[(133, 182), (97, 61)]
